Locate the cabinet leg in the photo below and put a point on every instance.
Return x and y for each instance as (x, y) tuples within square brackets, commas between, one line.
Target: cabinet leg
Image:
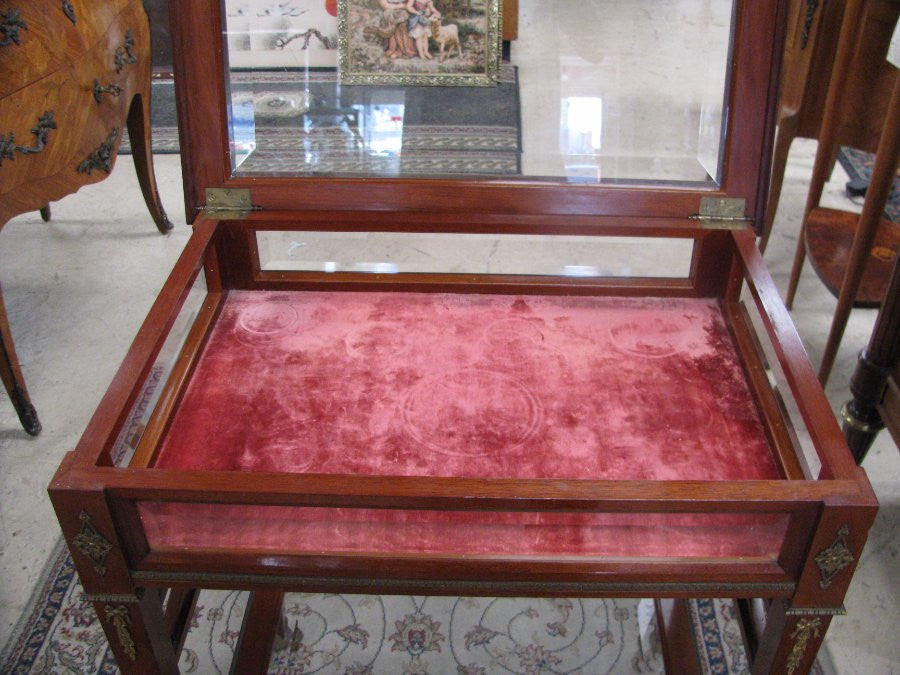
[(860, 414), (142, 154), (136, 631), (12, 377), (790, 641), (261, 620)]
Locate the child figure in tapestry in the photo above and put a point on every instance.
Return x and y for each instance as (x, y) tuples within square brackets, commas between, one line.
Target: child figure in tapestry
[(412, 42), (422, 12), (393, 29)]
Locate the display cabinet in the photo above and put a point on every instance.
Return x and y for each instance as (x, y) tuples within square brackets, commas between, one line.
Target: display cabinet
[(494, 339)]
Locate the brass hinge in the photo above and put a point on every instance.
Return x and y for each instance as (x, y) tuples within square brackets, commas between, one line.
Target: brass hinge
[(228, 203), (722, 213)]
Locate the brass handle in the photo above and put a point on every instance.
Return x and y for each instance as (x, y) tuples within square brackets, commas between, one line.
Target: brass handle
[(102, 157), (9, 148), (10, 25), (125, 55), (69, 11), (99, 90)]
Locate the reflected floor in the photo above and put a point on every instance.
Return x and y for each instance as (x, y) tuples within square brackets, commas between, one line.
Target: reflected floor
[(585, 106)]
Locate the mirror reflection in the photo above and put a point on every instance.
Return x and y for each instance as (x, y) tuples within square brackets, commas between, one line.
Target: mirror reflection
[(593, 91)]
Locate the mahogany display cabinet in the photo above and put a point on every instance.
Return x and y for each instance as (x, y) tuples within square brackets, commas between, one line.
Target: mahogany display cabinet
[(512, 339)]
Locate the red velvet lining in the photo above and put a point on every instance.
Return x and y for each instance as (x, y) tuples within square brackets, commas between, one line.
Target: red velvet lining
[(470, 386), (319, 530)]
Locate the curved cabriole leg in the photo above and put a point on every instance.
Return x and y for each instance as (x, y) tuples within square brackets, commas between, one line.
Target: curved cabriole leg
[(142, 154), (12, 378)]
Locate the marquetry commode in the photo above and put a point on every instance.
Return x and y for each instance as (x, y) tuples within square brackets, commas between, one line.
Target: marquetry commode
[(378, 369), (73, 74)]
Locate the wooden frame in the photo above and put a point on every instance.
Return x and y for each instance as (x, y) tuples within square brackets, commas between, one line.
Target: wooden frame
[(126, 574)]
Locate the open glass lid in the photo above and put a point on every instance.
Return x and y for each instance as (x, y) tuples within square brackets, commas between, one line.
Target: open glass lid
[(590, 91), (597, 93)]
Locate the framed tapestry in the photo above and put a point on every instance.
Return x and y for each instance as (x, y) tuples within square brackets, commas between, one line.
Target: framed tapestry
[(419, 42)]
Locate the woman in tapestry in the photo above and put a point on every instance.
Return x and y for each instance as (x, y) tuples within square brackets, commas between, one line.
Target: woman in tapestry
[(393, 29), (422, 12)]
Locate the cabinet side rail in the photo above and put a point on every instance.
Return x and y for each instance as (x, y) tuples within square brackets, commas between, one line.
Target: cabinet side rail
[(829, 442), (468, 494), (94, 446)]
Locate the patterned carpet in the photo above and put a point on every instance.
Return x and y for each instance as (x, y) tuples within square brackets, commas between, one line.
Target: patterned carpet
[(373, 634)]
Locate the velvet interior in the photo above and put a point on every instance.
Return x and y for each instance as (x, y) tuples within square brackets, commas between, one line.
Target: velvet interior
[(470, 386), (311, 530)]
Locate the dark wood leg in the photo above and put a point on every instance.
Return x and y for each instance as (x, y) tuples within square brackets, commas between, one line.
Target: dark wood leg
[(676, 637), (862, 422), (13, 381), (179, 607), (254, 648), (142, 154), (45, 213), (860, 415)]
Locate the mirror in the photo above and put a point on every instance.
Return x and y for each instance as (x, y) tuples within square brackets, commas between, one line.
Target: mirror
[(595, 91)]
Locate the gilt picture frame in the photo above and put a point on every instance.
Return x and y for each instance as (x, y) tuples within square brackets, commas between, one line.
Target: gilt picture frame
[(419, 42)]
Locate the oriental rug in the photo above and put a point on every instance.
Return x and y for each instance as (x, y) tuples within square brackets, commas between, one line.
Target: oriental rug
[(303, 123), (373, 634)]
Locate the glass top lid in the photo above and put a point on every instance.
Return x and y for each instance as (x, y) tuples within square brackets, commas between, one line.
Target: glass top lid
[(588, 91)]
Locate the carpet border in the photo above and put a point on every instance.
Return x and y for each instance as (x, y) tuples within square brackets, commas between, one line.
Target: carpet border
[(39, 598)]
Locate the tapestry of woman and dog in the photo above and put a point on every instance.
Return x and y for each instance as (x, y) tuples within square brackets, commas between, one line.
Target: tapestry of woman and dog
[(419, 41)]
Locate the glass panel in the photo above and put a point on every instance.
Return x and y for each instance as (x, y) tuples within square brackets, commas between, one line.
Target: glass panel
[(594, 91), (153, 387), (382, 252), (289, 529)]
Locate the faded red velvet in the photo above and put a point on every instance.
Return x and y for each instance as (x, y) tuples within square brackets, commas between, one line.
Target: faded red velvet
[(470, 386), (313, 530)]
